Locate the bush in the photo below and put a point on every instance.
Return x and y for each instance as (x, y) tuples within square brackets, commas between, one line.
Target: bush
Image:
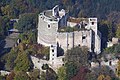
[(45, 66)]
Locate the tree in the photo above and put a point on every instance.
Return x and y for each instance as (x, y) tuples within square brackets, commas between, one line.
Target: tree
[(103, 77), (118, 32), (62, 75), (18, 7), (48, 75), (108, 78), (110, 31), (10, 76), (104, 73), (91, 76), (74, 59), (27, 21), (74, 55), (2, 78), (22, 47), (45, 66), (43, 76), (117, 49), (4, 25), (51, 74), (34, 75), (21, 76), (9, 59), (6, 10), (118, 69), (71, 69), (22, 62), (1, 28)]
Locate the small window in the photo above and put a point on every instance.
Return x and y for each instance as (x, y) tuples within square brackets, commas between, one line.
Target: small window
[(85, 24), (48, 26), (92, 23), (53, 54), (52, 58), (68, 44), (83, 37), (51, 45), (79, 45), (52, 50)]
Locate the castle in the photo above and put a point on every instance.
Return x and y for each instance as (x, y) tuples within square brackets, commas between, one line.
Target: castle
[(57, 29)]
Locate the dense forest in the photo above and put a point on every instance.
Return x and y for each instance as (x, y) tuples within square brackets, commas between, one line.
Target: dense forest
[(87, 8), (17, 60), (107, 11)]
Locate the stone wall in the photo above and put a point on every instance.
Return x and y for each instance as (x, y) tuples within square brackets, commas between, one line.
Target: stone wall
[(47, 31), (68, 40)]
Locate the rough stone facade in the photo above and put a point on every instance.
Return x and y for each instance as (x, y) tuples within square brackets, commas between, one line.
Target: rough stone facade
[(51, 20)]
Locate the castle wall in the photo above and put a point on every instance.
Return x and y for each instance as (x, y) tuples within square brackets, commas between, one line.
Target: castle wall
[(98, 43), (83, 38), (62, 40), (69, 40), (47, 31)]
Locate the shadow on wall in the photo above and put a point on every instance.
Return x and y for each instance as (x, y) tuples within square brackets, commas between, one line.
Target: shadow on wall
[(60, 51)]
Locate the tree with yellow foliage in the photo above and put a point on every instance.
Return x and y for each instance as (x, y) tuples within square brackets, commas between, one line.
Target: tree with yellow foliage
[(101, 77), (104, 77), (6, 10), (118, 31), (118, 69)]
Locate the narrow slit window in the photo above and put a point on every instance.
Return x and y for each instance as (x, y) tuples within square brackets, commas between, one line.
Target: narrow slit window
[(48, 26)]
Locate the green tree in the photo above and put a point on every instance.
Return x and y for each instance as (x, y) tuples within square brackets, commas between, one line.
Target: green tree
[(117, 49), (62, 75), (21, 76), (9, 59), (1, 28), (91, 76), (118, 31), (22, 62), (51, 74), (75, 54), (71, 69), (2, 78), (4, 25), (73, 60), (6, 10), (48, 75), (34, 74), (27, 21)]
